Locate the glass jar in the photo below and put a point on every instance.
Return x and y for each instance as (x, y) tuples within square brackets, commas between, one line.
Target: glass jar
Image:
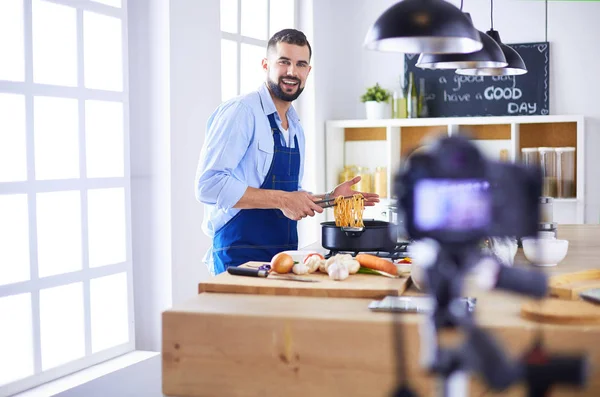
[(364, 185), (530, 156), (380, 182), (546, 209), (565, 171), (547, 230), (548, 164), (347, 173)]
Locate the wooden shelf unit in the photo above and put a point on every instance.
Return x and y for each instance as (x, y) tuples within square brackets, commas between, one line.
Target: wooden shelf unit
[(390, 141)]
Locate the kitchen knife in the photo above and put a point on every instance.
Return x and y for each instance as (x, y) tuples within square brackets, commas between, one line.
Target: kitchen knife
[(244, 271)]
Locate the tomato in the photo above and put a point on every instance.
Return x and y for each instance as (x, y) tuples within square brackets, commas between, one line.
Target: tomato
[(405, 260), (313, 254)]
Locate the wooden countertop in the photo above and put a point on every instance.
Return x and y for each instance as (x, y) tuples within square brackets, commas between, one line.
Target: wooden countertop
[(252, 345)]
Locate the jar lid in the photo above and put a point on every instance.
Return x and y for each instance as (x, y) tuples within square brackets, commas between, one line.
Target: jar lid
[(529, 149), (545, 200), (547, 226), (546, 149), (565, 149)]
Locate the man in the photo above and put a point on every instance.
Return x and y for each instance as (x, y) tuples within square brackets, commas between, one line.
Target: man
[(252, 163)]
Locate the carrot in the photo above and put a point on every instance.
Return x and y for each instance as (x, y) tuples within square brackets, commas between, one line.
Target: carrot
[(376, 263)]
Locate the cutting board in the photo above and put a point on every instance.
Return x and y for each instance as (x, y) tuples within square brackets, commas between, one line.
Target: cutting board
[(355, 286), (568, 286), (559, 311)]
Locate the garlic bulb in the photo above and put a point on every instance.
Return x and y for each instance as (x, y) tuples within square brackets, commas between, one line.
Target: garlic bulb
[(324, 265), (313, 263), (300, 268), (337, 271), (352, 265)]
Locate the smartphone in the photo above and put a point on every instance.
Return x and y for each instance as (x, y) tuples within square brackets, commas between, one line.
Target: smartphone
[(592, 295), (417, 304)]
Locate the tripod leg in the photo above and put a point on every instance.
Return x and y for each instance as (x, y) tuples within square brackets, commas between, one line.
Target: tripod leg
[(455, 385)]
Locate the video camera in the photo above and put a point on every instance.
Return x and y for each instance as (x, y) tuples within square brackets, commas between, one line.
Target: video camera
[(453, 194)]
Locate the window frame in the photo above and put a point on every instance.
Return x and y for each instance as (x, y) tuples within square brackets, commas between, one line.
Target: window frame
[(240, 39), (31, 187)]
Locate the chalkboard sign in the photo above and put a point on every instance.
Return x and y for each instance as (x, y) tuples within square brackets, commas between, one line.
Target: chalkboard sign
[(451, 95)]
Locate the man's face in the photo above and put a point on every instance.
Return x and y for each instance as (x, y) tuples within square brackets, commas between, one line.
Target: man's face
[(287, 69)]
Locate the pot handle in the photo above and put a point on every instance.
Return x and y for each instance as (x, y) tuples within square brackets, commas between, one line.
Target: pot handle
[(353, 231)]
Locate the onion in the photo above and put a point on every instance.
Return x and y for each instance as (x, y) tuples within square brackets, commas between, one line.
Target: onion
[(282, 263)]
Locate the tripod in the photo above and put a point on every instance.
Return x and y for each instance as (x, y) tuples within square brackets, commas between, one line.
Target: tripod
[(446, 272)]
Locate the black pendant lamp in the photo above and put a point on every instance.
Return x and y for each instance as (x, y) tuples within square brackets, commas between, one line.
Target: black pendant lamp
[(490, 56), (515, 64), (430, 26)]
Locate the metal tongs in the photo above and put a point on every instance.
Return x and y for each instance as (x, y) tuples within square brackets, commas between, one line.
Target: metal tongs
[(330, 202)]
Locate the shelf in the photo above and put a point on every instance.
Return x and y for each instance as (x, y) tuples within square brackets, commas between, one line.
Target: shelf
[(388, 142), (357, 123)]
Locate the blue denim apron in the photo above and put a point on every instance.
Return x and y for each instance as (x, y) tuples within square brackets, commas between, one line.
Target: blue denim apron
[(259, 234)]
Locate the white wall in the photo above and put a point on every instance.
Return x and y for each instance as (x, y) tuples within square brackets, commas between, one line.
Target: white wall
[(150, 164), (347, 68), (195, 93), (174, 86)]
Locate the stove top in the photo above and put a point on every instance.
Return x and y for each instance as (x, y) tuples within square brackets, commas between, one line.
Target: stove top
[(398, 252)]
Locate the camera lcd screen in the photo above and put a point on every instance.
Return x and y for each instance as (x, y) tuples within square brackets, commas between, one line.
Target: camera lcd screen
[(452, 204)]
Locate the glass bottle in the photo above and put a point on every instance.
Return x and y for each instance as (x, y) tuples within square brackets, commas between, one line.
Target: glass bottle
[(399, 103), (411, 97), (422, 104)]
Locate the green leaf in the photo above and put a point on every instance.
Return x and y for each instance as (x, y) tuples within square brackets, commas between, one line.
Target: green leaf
[(376, 93), (366, 270)]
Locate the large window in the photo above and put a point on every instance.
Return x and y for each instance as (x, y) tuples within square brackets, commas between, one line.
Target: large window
[(66, 298), (246, 26)]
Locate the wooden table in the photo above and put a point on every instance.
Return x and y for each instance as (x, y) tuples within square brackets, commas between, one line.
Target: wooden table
[(256, 345)]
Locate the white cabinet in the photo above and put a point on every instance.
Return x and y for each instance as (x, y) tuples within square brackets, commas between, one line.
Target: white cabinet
[(385, 143)]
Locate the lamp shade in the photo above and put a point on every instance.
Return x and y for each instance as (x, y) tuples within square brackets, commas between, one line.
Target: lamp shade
[(430, 26), (490, 56), (515, 66)]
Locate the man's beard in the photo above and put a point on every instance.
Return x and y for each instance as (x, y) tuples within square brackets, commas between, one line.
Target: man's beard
[(279, 93)]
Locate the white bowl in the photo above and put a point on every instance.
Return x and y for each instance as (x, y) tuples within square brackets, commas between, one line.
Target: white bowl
[(545, 252)]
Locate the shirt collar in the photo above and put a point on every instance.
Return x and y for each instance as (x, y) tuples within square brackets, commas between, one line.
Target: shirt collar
[(269, 106)]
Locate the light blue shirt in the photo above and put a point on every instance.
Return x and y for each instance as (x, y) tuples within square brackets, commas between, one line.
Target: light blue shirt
[(237, 153)]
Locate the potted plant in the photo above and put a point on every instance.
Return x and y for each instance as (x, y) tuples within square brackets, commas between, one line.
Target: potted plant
[(376, 101)]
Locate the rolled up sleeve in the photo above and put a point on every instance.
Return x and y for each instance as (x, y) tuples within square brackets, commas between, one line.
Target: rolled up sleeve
[(229, 132)]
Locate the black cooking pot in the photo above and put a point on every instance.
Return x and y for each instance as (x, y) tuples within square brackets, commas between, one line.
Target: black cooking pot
[(375, 236)]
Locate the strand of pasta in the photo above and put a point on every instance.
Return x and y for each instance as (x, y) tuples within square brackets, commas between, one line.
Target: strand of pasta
[(349, 212)]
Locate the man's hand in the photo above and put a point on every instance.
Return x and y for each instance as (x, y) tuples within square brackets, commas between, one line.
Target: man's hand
[(344, 189), (299, 205)]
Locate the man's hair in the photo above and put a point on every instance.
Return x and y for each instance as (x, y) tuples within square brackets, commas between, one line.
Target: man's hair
[(289, 36)]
